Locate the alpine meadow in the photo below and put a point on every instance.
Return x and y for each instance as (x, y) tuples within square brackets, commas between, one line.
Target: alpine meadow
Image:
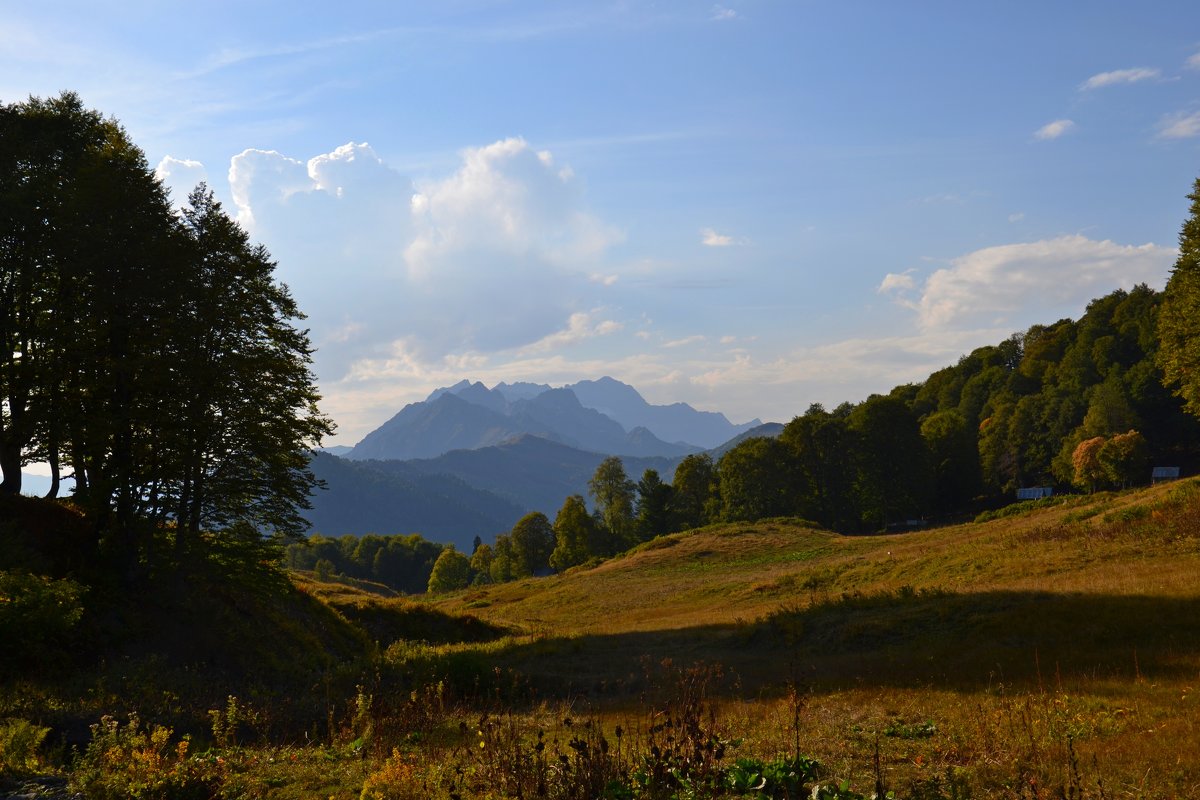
[(323, 482)]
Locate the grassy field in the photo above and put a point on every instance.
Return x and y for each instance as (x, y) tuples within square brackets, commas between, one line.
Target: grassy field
[(1051, 652), (1012, 649)]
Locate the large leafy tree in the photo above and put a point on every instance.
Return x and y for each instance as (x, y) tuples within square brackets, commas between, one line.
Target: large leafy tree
[(756, 480), (822, 452), (532, 543), (895, 479), (576, 535), (954, 458), (151, 354), (613, 495), (695, 487), (248, 405), (1179, 315), (451, 571)]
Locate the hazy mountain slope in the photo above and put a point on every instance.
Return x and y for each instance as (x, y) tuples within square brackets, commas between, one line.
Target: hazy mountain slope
[(677, 422), (442, 508), (559, 410), (469, 416), (428, 429), (476, 394), (521, 390), (529, 471), (767, 429)]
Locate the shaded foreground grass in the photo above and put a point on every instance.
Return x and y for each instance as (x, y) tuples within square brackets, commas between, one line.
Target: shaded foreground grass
[(1048, 654)]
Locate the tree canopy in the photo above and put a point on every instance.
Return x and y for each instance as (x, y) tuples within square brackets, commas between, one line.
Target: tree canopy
[(150, 354), (1179, 318)]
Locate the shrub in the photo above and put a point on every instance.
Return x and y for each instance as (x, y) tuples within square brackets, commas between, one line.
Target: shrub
[(395, 780), (36, 616), (20, 748), (128, 763)]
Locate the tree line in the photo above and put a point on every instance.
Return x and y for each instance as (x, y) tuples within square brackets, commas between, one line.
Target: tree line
[(149, 355)]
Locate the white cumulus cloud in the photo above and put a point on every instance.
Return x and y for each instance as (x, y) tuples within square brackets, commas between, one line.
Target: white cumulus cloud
[(1119, 76), (1053, 130), (180, 176), (710, 238), (496, 255), (1018, 284)]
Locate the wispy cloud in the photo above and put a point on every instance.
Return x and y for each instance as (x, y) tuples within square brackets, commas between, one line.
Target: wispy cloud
[(896, 282), (1193, 62), (581, 326), (231, 56), (1053, 130), (722, 14), (684, 342), (1016, 216), (1119, 76), (1180, 126)]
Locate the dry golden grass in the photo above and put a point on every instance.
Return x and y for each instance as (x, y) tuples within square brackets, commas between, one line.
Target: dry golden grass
[(1012, 649)]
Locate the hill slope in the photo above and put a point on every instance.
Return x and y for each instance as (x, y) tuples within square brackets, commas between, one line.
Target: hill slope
[(1082, 581)]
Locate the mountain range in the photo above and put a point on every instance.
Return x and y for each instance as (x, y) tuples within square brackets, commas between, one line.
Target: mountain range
[(602, 416), (470, 461)]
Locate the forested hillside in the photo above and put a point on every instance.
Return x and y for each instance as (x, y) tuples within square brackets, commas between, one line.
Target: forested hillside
[(1010, 415)]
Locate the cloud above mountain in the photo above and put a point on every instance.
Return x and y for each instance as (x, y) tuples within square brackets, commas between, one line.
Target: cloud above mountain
[(501, 254)]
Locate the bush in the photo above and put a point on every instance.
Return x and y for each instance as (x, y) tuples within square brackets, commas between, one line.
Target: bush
[(20, 748), (128, 763), (395, 780), (36, 616)]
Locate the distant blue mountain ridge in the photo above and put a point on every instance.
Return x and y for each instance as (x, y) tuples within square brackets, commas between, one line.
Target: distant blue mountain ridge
[(601, 416)]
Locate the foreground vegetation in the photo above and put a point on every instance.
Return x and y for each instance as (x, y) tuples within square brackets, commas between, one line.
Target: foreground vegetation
[(1047, 653)]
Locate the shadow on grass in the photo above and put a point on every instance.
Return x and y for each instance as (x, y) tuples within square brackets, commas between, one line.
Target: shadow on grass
[(963, 642)]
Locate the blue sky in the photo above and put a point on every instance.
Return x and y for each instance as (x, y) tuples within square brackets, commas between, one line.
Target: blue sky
[(747, 206)]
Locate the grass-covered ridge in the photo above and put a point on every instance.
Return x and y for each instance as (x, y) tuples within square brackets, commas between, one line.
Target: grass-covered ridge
[(1050, 650)]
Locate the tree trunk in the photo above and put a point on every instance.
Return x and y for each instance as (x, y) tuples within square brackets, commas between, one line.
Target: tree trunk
[(10, 466), (52, 493)]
